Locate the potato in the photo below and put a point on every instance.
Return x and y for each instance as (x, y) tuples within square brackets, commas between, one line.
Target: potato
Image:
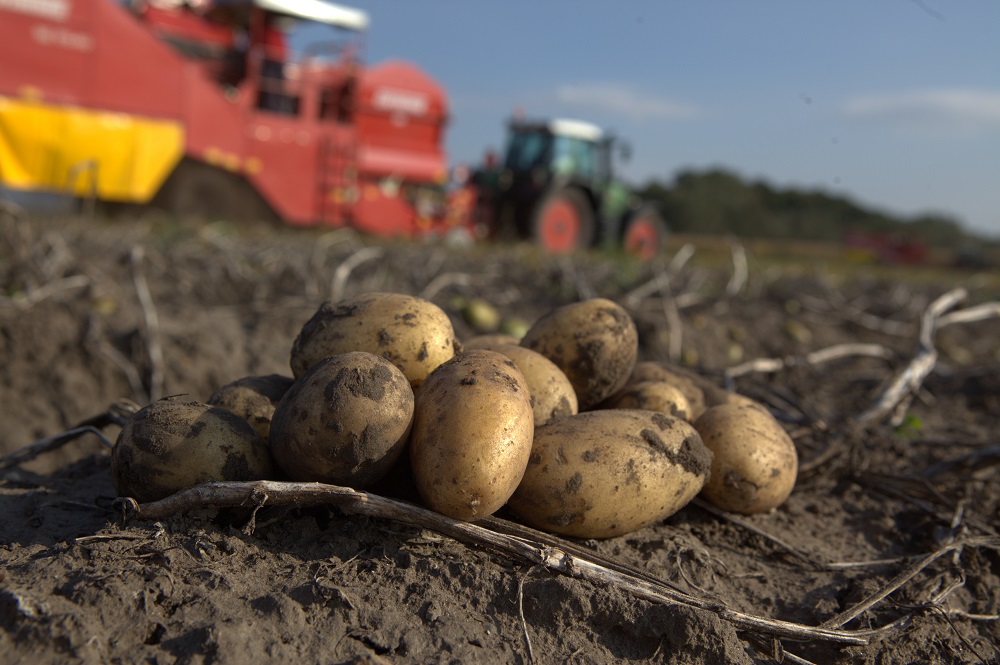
[(692, 385), (651, 396), (472, 431), (755, 464), (253, 398), (552, 395), (345, 422), (489, 341), (412, 333), (700, 391), (594, 342), (170, 445), (605, 473)]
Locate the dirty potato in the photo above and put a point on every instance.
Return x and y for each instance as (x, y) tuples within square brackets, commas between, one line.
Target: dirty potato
[(594, 342), (170, 445), (472, 432), (552, 395), (651, 396), (412, 333), (489, 341), (345, 422), (605, 473), (253, 398), (755, 463), (690, 384)]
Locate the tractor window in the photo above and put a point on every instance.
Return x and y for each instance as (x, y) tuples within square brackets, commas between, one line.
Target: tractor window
[(527, 150), (574, 156)]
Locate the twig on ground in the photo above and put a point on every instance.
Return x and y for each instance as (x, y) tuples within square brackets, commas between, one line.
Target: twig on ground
[(556, 555), (740, 271), (95, 336), (896, 396), (675, 327), (35, 296), (520, 613), (661, 279), (443, 281), (152, 325), (830, 353), (904, 576), (116, 414), (347, 266)]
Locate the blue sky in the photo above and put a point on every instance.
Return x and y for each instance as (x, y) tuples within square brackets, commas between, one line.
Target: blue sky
[(895, 103)]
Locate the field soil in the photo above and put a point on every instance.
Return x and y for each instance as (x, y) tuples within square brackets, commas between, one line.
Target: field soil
[(886, 552)]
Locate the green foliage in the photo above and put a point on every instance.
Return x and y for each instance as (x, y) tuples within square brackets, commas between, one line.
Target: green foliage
[(719, 201)]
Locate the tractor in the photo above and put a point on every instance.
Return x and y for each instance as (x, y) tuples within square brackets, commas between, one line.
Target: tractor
[(555, 186)]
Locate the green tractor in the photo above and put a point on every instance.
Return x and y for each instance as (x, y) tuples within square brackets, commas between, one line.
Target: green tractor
[(555, 186)]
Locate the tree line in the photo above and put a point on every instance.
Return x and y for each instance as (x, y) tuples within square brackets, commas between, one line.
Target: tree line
[(719, 201)]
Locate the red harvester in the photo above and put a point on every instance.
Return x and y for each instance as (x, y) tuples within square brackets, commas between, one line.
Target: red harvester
[(199, 108)]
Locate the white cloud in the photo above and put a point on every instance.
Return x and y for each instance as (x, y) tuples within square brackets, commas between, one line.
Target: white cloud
[(944, 110), (623, 100)]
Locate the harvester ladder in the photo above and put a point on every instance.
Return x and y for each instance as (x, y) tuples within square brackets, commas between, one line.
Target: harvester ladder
[(338, 178)]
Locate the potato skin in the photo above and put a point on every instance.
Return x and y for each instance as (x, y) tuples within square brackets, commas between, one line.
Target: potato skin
[(594, 342), (489, 341), (552, 395), (755, 464), (651, 396), (345, 422), (412, 333), (472, 433), (692, 385), (170, 445), (601, 474), (254, 399)]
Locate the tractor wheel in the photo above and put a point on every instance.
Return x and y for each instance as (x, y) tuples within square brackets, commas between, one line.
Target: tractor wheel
[(645, 234), (563, 222)]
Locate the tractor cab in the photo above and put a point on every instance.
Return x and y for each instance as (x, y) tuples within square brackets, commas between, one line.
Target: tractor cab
[(555, 185)]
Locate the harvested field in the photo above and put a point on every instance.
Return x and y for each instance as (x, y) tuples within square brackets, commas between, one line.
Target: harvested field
[(888, 550)]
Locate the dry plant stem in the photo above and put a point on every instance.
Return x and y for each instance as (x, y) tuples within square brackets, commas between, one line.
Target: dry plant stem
[(347, 266), (740, 270), (906, 575), (152, 323), (116, 414), (830, 353), (520, 613), (675, 327), (908, 382), (48, 444), (48, 290), (990, 310), (556, 559), (443, 281), (662, 278)]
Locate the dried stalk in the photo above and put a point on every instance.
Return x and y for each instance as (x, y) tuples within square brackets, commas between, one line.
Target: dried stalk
[(116, 414), (347, 266), (556, 555), (904, 576), (740, 270), (905, 384), (152, 324), (830, 353)]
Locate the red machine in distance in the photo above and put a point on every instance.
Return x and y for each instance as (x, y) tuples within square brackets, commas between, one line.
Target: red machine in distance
[(197, 107)]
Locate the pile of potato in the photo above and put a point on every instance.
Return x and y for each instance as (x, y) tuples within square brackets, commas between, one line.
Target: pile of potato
[(562, 426)]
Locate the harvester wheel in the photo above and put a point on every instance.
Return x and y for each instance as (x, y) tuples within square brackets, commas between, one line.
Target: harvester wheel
[(201, 191), (645, 234), (563, 222)]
